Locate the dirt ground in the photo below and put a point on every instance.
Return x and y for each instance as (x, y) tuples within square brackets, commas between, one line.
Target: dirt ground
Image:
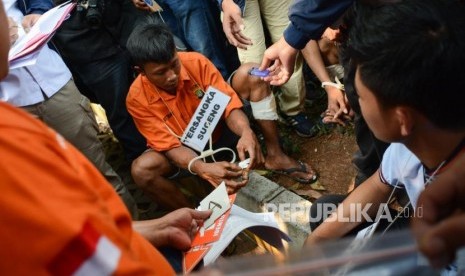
[(329, 153)]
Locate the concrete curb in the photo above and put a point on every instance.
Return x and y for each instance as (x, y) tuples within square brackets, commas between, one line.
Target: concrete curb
[(262, 195)]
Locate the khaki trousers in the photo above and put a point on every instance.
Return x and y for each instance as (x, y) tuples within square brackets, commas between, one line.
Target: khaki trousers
[(69, 113), (273, 15)]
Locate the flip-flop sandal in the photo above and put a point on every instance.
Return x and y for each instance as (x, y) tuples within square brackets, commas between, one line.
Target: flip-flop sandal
[(301, 168), (327, 118)]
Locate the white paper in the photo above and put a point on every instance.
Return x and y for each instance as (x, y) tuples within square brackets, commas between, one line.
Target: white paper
[(41, 32), (244, 163), (218, 202), (264, 225), (205, 119)]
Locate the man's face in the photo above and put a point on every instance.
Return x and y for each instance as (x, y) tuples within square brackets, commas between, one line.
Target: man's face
[(380, 120), (164, 75), (4, 43)]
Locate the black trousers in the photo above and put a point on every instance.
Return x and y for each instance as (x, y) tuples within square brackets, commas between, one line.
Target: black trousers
[(369, 155), (108, 81)]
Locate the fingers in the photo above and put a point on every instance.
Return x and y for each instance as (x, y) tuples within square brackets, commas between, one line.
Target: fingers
[(29, 21), (274, 68), (266, 62), (440, 242), (231, 170), (233, 186), (237, 26), (281, 78), (338, 113), (240, 41), (233, 26), (200, 215)]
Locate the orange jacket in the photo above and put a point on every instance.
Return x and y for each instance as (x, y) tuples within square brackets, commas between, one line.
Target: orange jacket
[(58, 215), (150, 112)]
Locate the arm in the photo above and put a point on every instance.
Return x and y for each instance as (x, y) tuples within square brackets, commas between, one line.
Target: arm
[(308, 21), (372, 191), (233, 24), (176, 229), (239, 124), (336, 99)]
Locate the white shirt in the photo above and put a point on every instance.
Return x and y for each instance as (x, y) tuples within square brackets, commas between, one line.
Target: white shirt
[(24, 86), (401, 168)]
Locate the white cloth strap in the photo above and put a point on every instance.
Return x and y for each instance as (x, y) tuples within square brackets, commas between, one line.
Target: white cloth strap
[(336, 84)]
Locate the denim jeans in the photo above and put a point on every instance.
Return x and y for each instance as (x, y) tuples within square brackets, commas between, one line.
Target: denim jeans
[(198, 24)]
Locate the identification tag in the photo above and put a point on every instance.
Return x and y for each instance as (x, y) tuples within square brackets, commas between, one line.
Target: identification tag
[(205, 119)]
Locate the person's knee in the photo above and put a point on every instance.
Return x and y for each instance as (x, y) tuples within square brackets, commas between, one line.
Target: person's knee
[(147, 168), (249, 87)]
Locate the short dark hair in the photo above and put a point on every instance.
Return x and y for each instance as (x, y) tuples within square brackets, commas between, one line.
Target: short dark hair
[(151, 42), (413, 53)]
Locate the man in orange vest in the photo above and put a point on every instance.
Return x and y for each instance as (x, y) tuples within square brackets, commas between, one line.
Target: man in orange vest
[(60, 216)]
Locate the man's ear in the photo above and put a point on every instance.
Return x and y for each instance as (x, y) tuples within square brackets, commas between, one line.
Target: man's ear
[(405, 119), (139, 70)]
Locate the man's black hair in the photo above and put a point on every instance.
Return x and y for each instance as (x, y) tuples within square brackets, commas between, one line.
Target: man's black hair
[(413, 53), (151, 42)]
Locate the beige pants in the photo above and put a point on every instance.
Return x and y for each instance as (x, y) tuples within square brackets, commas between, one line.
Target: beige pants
[(273, 15), (69, 113)]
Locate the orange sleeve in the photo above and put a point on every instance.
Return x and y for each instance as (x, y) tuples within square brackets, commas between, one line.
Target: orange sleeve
[(147, 119)]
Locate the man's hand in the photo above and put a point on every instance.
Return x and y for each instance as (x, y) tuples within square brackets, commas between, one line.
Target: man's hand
[(248, 144), (13, 28), (332, 34), (233, 25), (232, 175), (336, 101), (283, 55), (176, 229), (140, 4), (29, 21), (440, 227), (338, 109)]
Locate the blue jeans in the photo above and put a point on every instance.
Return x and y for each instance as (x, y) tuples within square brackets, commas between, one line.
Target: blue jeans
[(197, 23)]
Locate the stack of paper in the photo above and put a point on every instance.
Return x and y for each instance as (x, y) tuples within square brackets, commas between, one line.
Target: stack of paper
[(24, 51), (209, 243)]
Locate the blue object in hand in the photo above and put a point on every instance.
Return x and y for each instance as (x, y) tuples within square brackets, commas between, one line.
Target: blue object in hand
[(259, 73)]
